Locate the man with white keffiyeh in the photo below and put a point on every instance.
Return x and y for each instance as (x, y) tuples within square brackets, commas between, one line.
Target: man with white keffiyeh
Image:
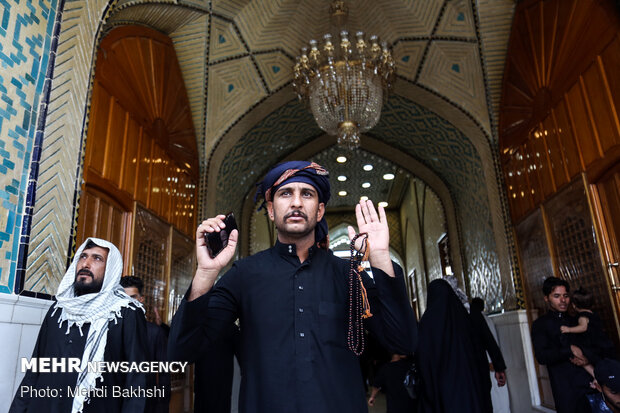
[(92, 320)]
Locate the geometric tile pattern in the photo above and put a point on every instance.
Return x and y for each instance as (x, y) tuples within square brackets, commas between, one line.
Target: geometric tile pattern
[(408, 56), (234, 86), (52, 221), (434, 227), (227, 8), (197, 3), (264, 24), (425, 220), (414, 17), (457, 20), (494, 30), (225, 41), (276, 69), (26, 32), (191, 47), (454, 72), (166, 17)]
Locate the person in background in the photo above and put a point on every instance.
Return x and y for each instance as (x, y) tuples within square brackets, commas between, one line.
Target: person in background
[(95, 321), (607, 373), (157, 349), (570, 383), (390, 380), (489, 351), (447, 356)]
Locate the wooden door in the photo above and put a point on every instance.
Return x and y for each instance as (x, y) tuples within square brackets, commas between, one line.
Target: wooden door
[(150, 261), (606, 199), (182, 266), (102, 216), (576, 252)]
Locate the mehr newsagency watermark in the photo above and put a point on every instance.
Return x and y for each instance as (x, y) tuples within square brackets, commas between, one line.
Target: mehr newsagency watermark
[(75, 365), (95, 392)]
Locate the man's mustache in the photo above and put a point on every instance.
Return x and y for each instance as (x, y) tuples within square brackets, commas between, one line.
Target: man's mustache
[(85, 271), (296, 214)]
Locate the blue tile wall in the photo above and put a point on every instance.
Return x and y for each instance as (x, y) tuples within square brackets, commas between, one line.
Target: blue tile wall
[(26, 33)]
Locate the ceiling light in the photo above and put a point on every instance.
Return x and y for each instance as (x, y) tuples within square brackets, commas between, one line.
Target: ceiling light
[(383, 204), (388, 177), (364, 198), (342, 178), (342, 193), (341, 159), (344, 81), (368, 167), (366, 185)]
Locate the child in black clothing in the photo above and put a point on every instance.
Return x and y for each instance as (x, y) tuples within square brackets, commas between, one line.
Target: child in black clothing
[(589, 327)]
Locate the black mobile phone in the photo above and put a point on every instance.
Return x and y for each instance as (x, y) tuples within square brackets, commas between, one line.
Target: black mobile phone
[(217, 241)]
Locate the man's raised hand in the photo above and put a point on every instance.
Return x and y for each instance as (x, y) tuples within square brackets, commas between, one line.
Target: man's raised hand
[(376, 226)]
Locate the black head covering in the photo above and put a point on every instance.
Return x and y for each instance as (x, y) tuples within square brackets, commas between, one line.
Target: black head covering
[(297, 171), (607, 372), (477, 305), (449, 375)]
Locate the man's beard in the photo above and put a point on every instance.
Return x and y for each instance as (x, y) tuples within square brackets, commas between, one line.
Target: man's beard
[(81, 288)]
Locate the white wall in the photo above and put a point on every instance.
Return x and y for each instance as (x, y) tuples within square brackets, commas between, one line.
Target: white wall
[(514, 338), (20, 320)]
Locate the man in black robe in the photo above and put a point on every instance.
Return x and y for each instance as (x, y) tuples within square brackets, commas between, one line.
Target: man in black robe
[(569, 381), (92, 320), (390, 380), (156, 349), (298, 324), (486, 344)]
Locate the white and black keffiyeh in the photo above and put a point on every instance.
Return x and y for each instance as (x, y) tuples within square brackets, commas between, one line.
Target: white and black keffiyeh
[(98, 309)]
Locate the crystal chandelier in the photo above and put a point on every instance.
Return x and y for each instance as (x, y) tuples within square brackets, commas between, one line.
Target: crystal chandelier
[(344, 84)]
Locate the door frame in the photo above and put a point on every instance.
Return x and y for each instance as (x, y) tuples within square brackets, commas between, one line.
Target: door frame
[(591, 178)]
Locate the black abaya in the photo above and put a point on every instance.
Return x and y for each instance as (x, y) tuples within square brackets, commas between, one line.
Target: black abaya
[(450, 379)]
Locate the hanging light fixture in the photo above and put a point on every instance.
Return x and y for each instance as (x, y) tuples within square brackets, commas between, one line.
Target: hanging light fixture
[(345, 84)]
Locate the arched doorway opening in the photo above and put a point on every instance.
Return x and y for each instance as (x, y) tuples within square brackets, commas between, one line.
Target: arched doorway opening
[(141, 169)]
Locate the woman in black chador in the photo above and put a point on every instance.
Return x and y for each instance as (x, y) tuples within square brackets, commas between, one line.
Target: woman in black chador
[(446, 357)]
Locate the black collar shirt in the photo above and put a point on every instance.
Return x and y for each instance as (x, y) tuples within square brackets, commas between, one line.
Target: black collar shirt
[(569, 383), (293, 317)]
